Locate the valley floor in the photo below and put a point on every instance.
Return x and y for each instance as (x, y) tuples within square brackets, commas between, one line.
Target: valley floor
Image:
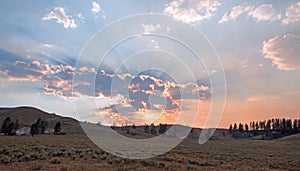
[(77, 152)]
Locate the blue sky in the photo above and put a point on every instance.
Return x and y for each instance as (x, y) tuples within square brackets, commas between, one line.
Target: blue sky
[(257, 42)]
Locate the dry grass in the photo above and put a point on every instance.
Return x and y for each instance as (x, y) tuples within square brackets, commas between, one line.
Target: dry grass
[(77, 152)]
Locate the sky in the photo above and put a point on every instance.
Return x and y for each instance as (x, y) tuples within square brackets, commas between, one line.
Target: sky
[(50, 59)]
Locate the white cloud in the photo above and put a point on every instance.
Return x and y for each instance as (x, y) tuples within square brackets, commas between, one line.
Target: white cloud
[(292, 14), (96, 7), (150, 28), (80, 16), (47, 45), (265, 12), (155, 44), (191, 11), (236, 12), (284, 51), (61, 17)]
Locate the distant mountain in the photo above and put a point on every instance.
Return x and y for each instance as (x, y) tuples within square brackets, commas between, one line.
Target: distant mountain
[(28, 115)]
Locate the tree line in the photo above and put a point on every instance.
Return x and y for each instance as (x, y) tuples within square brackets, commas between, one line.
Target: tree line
[(280, 126), (148, 129), (162, 128), (38, 127)]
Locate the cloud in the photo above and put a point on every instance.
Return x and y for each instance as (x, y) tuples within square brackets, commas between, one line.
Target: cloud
[(58, 14), (96, 7), (150, 28), (292, 14), (4, 72), (48, 45), (58, 86), (264, 12), (155, 44), (190, 11), (81, 18), (272, 97), (56, 78), (284, 51), (86, 69), (147, 94), (236, 12)]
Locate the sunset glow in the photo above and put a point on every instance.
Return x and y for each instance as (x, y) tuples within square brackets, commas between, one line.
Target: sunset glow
[(256, 42)]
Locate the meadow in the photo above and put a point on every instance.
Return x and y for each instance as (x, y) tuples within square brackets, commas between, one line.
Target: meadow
[(77, 152)]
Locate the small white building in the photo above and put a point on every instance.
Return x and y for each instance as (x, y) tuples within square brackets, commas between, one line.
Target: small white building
[(23, 131)]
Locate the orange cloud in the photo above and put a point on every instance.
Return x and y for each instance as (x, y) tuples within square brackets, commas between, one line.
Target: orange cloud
[(26, 78)]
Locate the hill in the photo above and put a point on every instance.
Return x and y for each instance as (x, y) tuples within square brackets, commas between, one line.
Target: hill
[(28, 115), (295, 137)]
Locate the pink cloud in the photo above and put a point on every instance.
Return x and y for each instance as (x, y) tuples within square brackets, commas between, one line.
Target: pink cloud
[(284, 51)]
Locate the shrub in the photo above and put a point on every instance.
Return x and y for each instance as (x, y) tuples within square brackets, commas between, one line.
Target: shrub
[(55, 161), (5, 159)]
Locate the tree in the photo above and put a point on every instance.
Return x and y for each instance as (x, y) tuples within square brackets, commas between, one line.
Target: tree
[(252, 124), (11, 129), (256, 126), (38, 125), (262, 125), (57, 128), (146, 128), (246, 127), (234, 127), (5, 126), (34, 130), (230, 129), (152, 129), (268, 126), (162, 128), (283, 123), (289, 126), (295, 126), (133, 126), (17, 124), (241, 129), (273, 124), (43, 125), (277, 123)]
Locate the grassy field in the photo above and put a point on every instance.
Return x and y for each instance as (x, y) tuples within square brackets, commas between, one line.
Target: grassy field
[(77, 152)]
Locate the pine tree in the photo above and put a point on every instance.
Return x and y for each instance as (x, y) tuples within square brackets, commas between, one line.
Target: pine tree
[(146, 128), (152, 129), (256, 126), (57, 128), (162, 128), (289, 126), (5, 128), (17, 124), (246, 127), (43, 126), (283, 123), (234, 127), (268, 126), (34, 130), (230, 129), (241, 129), (295, 126), (38, 125)]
